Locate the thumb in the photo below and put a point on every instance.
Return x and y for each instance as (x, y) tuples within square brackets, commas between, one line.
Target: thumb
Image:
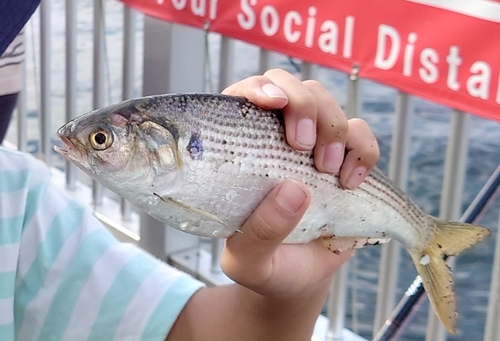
[(247, 257)]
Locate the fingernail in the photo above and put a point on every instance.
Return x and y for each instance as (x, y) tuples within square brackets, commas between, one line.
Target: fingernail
[(334, 156), (357, 176), (291, 196), (305, 132), (273, 91)]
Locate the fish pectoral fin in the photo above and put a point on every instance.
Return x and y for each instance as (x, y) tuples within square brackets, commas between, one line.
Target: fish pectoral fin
[(193, 209), (341, 244), (449, 239)]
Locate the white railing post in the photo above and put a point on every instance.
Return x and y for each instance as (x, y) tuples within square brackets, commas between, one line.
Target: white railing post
[(22, 110), (398, 171), (264, 60), (226, 62), (45, 81), (71, 79), (99, 60), (336, 305)]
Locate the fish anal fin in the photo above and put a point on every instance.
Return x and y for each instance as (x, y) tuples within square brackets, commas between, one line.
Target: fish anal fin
[(450, 239), (341, 244), (193, 209)]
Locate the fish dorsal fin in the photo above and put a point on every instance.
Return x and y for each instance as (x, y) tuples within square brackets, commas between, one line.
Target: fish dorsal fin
[(193, 209)]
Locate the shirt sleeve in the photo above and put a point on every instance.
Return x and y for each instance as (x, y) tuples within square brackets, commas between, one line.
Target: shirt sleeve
[(75, 281)]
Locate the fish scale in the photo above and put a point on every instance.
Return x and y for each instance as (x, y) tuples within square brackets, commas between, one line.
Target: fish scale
[(224, 128), (202, 163)]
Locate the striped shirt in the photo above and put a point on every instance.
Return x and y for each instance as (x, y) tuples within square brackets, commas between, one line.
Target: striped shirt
[(64, 277), (11, 66)]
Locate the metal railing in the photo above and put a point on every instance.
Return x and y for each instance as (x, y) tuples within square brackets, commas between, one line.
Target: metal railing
[(141, 55)]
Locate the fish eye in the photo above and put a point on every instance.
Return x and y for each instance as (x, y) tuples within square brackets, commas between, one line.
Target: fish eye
[(101, 139)]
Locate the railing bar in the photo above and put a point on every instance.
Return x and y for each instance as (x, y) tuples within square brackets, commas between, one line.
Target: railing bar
[(22, 111), (451, 197), (129, 46), (264, 60), (492, 329), (45, 81), (217, 245), (353, 99), (98, 79), (71, 79), (226, 62), (336, 304), (398, 170), (307, 71)]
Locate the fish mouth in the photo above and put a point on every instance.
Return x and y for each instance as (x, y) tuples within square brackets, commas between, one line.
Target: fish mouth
[(70, 151)]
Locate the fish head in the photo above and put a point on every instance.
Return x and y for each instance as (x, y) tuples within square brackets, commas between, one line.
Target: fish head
[(122, 146)]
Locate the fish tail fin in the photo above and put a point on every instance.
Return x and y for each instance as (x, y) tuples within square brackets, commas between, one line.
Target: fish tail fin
[(449, 239)]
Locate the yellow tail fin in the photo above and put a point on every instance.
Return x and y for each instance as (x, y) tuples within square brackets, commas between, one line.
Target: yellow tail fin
[(450, 239)]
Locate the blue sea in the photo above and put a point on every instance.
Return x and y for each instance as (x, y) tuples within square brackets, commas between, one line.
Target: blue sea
[(429, 133)]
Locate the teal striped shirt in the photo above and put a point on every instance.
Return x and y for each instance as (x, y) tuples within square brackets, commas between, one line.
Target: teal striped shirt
[(64, 277)]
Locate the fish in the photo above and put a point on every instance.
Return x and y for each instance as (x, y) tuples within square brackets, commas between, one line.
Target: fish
[(202, 163)]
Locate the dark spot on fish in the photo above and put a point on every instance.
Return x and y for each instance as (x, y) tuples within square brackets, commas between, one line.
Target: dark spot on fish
[(224, 142), (301, 162), (195, 146), (439, 246), (231, 152), (359, 159), (304, 230), (376, 243)]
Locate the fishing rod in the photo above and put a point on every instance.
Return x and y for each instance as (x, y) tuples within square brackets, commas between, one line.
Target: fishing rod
[(406, 308)]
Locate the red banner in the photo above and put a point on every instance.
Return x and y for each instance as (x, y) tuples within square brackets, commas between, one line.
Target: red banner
[(447, 51)]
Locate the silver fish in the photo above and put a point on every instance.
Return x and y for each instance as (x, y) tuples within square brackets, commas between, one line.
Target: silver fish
[(202, 163)]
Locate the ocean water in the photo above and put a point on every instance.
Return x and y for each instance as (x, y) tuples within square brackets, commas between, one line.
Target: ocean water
[(430, 128)]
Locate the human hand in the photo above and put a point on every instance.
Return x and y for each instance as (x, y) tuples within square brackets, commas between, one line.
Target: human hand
[(290, 276)]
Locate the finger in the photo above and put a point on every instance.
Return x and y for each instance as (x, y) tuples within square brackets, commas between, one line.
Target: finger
[(247, 257), (362, 154), (300, 113), (332, 130), (259, 90)]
